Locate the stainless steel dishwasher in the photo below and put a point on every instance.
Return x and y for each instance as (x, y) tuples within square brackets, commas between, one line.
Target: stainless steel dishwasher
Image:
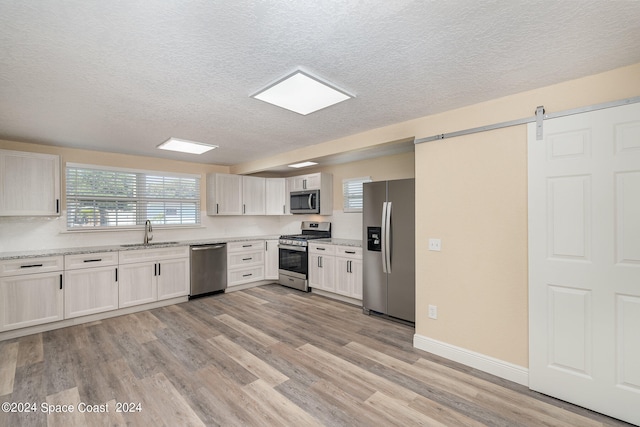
[(208, 269)]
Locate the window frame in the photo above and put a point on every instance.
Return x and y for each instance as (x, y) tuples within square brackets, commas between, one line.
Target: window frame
[(140, 199), (347, 206)]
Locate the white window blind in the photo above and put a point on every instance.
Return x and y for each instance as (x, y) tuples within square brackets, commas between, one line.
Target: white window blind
[(111, 197), (352, 193)]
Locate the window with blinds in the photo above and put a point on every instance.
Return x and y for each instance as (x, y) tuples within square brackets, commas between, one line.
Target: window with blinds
[(113, 197), (352, 193)]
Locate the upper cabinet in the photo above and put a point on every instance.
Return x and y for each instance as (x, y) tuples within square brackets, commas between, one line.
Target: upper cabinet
[(253, 195), (244, 195), (224, 194), (29, 184), (313, 181), (276, 193)]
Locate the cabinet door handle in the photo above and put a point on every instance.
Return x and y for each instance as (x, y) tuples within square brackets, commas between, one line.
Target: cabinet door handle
[(61, 281), (217, 211), (116, 274), (349, 268), (155, 269), (244, 209), (284, 211), (31, 266), (57, 205), (93, 260), (159, 271)]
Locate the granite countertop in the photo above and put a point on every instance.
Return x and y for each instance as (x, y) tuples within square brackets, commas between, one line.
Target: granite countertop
[(340, 242), (127, 247)]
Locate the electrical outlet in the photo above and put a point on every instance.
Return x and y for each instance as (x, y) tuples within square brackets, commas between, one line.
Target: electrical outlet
[(433, 311), (435, 244)]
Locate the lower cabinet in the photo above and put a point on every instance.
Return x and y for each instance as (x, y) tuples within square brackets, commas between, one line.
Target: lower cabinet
[(336, 269), (349, 277), (271, 259), (91, 284), (245, 262), (322, 262), (31, 292), (162, 274)]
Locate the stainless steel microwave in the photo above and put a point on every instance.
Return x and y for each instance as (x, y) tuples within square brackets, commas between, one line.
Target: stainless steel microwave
[(305, 202)]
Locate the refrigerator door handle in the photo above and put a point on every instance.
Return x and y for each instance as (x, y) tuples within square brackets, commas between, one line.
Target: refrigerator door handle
[(383, 237), (387, 238), (383, 242)]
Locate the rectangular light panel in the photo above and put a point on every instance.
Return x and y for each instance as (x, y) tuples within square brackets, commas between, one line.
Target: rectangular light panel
[(302, 165), (301, 93), (185, 146)]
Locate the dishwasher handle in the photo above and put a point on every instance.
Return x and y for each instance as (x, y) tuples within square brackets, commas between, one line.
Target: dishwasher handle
[(207, 247)]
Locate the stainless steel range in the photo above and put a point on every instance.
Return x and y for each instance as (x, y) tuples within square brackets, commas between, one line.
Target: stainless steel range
[(293, 255)]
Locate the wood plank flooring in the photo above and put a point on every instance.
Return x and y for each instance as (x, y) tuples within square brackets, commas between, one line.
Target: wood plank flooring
[(267, 356)]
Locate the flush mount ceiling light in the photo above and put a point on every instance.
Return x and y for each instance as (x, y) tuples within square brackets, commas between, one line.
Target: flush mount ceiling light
[(184, 146), (302, 93), (302, 165)]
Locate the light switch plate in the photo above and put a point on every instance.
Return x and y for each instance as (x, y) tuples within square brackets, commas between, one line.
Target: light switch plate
[(435, 244), (433, 311)]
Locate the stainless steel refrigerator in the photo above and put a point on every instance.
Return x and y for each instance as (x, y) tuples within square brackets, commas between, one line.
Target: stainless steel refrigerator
[(389, 249)]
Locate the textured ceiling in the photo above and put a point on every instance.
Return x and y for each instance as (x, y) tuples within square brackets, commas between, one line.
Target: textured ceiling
[(125, 75)]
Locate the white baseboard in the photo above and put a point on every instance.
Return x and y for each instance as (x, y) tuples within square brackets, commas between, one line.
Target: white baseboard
[(491, 365)]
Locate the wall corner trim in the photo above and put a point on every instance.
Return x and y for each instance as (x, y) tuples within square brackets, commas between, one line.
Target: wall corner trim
[(497, 367)]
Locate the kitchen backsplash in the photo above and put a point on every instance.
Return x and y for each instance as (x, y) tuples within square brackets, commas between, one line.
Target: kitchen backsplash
[(31, 233)]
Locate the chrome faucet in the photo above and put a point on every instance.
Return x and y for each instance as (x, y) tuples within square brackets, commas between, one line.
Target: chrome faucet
[(147, 229)]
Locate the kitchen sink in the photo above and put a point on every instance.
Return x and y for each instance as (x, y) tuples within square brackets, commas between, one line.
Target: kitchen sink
[(145, 245)]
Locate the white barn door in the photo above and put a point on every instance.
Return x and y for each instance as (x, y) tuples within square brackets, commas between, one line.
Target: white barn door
[(584, 260)]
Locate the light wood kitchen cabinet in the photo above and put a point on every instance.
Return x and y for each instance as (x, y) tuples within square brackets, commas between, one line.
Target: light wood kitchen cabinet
[(276, 196), (29, 184), (236, 195), (253, 195), (148, 275), (31, 292), (224, 194), (271, 259), (336, 269), (245, 262), (313, 181), (349, 272), (91, 283), (322, 263)]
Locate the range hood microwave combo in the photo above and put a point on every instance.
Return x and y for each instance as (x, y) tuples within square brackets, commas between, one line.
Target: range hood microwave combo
[(305, 202)]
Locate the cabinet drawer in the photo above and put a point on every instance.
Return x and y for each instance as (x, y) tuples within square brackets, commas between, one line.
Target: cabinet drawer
[(16, 267), (99, 259), (142, 255), (349, 252), (246, 275), (245, 246), (245, 258), (317, 248)]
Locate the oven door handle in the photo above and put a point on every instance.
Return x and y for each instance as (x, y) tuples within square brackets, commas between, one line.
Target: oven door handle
[(293, 248)]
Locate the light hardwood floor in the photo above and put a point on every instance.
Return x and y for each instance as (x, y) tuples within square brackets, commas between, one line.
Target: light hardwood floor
[(267, 356)]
